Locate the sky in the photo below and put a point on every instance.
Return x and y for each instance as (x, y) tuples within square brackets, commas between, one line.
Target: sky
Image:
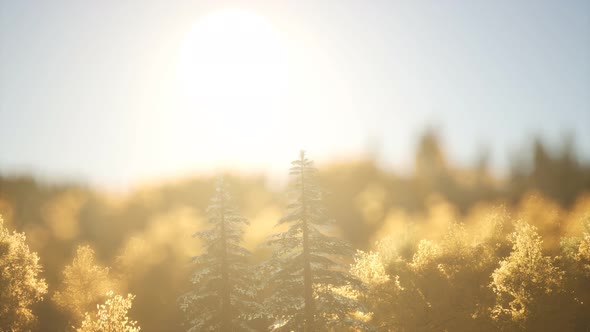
[(96, 91)]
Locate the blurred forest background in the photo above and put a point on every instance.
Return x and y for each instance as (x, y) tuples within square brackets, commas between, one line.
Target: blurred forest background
[(140, 242), (479, 227)]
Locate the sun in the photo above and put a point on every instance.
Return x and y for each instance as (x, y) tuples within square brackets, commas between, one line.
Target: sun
[(233, 72)]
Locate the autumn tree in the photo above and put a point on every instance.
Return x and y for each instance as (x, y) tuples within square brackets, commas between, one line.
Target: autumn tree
[(110, 316), (384, 291), (20, 285), (576, 264), (311, 289), (84, 284), (457, 292), (442, 286), (525, 283), (223, 297)]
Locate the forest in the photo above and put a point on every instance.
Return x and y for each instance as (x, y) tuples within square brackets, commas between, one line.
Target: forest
[(346, 246)]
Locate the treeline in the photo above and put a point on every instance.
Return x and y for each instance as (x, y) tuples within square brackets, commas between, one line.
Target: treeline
[(496, 274), (144, 239)]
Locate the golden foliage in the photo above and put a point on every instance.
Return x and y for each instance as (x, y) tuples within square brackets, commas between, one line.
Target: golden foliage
[(111, 316), (368, 267), (524, 276), (84, 284), (20, 285)]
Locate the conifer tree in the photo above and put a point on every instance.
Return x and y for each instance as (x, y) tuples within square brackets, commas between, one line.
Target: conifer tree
[(311, 290), (223, 297)]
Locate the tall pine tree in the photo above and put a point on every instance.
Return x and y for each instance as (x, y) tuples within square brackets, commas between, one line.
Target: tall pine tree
[(310, 289), (223, 297)]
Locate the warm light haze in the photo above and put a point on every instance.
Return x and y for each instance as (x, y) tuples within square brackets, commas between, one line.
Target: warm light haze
[(294, 166), (159, 89)]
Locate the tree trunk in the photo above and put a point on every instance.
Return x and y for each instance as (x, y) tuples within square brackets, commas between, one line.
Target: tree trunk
[(307, 284), (225, 299), (307, 277)]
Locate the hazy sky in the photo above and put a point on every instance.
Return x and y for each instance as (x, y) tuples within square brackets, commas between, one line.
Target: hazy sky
[(89, 89)]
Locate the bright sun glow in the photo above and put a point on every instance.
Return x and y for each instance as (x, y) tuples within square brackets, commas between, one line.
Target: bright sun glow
[(233, 73)]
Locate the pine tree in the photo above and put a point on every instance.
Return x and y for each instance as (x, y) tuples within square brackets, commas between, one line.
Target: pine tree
[(311, 290), (223, 297)]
